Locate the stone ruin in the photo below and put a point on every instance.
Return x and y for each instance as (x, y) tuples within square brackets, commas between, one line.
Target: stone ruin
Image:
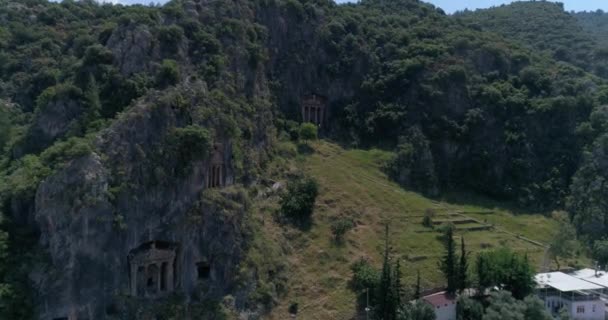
[(313, 109), (152, 269), (215, 174)]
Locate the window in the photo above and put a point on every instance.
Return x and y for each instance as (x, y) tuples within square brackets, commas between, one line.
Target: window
[(203, 269), (580, 309)]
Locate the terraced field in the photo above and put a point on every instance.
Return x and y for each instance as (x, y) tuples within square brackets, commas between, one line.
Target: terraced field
[(354, 185)]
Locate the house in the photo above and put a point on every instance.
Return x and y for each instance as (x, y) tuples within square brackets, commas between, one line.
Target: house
[(444, 305), (581, 298)]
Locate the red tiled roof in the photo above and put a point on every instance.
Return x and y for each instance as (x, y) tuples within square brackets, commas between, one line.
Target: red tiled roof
[(440, 299)]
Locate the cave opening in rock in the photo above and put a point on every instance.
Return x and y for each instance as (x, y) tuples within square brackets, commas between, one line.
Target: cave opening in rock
[(203, 270)]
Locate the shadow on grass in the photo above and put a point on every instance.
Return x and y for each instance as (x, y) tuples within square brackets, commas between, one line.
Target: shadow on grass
[(305, 148), (302, 224), (486, 203)]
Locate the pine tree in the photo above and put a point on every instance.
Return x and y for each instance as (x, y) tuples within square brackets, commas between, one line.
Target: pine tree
[(463, 268), (448, 262)]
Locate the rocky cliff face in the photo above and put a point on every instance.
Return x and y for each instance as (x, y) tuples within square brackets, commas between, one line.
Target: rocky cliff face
[(89, 225)]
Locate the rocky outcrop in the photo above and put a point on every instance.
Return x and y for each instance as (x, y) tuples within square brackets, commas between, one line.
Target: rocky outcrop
[(54, 120), (134, 48), (93, 214)]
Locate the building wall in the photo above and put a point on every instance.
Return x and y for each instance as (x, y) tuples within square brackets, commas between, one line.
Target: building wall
[(446, 313), (590, 313), (593, 310)]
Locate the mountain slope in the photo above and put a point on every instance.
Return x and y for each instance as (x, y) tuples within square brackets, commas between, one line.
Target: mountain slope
[(354, 186), (544, 26), (144, 131)]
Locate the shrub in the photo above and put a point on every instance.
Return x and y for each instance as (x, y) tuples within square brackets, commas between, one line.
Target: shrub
[(308, 131), (168, 73), (190, 143), (97, 54), (170, 37), (340, 227), (299, 200), (427, 221), (23, 181), (365, 276), (64, 151)]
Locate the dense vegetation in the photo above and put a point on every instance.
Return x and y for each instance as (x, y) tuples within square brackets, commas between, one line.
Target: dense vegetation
[(518, 117), (546, 27)]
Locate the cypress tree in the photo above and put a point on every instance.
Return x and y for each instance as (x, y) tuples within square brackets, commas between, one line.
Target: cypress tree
[(463, 267), (388, 289), (417, 288), (448, 262)]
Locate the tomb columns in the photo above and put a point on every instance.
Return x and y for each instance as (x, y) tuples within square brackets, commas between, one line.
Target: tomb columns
[(134, 279), (169, 276), (158, 277)]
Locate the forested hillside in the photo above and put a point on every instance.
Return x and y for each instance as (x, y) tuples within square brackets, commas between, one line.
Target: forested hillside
[(546, 27), (131, 132), (595, 23)]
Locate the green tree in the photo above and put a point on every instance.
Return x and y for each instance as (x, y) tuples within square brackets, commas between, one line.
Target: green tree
[(299, 200), (463, 267), (535, 309), (587, 203), (484, 274), (5, 128), (388, 293), (418, 310), (504, 307), (448, 264), (413, 165), (365, 276), (468, 309), (339, 228), (507, 270), (417, 289), (308, 131), (599, 252), (168, 74), (563, 243)]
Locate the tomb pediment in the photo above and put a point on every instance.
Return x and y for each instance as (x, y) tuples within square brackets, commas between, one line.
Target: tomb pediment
[(152, 269), (313, 109)]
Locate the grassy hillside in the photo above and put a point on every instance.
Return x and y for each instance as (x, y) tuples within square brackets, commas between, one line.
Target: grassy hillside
[(354, 185)]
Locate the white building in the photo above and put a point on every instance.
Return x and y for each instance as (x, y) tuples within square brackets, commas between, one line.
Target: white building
[(443, 304), (579, 296)]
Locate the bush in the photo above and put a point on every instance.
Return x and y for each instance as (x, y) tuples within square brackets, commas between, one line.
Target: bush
[(64, 151), (168, 74), (299, 200), (97, 54), (190, 143), (170, 36), (365, 276), (427, 221), (340, 227), (308, 131)]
